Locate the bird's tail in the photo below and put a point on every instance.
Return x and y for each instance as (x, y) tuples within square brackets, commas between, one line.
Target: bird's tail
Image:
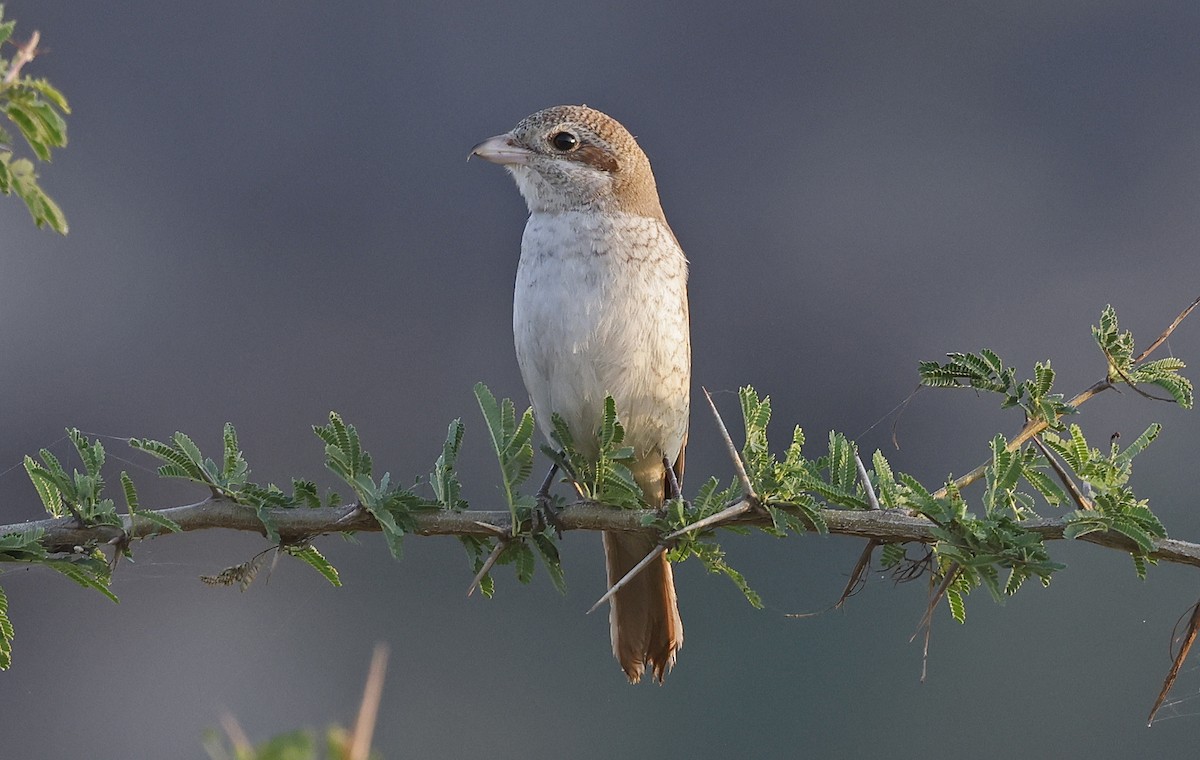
[(643, 616)]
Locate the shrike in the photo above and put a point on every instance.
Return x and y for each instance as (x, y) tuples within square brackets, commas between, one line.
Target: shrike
[(601, 309)]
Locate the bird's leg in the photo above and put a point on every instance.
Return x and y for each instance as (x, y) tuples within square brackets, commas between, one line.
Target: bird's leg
[(545, 505), (673, 491)]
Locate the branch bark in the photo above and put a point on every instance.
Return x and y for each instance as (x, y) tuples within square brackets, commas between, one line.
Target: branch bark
[(886, 526)]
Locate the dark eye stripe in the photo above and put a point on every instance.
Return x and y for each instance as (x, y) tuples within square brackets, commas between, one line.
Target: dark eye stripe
[(595, 156)]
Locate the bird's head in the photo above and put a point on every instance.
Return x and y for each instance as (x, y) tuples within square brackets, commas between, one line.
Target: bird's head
[(575, 158)]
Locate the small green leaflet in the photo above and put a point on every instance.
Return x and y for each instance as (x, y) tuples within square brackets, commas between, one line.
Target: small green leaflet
[(6, 633), (309, 554)]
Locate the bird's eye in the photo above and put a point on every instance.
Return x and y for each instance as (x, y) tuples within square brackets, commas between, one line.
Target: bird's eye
[(564, 141)]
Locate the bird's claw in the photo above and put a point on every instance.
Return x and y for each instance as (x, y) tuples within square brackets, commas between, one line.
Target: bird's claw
[(546, 514)]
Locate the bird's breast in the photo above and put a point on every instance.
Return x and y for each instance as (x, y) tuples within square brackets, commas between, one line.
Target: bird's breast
[(601, 308)]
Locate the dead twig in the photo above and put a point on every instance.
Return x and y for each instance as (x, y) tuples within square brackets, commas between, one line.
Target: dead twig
[(935, 598), (858, 576), (1167, 332), (1185, 645)]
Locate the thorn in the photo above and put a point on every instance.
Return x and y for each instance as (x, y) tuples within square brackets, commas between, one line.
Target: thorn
[(493, 528), (639, 567), (866, 480), (738, 465), (487, 565), (743, 506)]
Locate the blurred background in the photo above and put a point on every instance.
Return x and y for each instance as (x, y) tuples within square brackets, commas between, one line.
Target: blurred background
[(272, 217)]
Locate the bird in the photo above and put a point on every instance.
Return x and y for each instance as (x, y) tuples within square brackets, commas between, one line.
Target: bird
[(601, 308)]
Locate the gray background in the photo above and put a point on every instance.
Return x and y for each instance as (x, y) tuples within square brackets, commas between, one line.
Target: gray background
[(272, 217)]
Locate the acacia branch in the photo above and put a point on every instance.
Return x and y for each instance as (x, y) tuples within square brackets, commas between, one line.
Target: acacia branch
[(1037, 426), (63, 534)]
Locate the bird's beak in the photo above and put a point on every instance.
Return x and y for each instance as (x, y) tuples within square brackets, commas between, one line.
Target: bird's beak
[(502, 149)]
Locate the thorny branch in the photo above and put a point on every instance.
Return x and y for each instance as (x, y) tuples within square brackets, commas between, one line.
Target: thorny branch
[(63, 534)]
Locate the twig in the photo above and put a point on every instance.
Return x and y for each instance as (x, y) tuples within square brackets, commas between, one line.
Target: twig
[(1167, 332), (25, 54), (639, 567), (1129, 381), (1033, 427)]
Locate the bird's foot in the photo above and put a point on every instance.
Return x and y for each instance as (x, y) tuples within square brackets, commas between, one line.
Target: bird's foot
[(547, 514), (546, 510)]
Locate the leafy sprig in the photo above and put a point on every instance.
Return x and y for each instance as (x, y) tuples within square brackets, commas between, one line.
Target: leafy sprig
[(38, 112), (604, 477), (527, 538)]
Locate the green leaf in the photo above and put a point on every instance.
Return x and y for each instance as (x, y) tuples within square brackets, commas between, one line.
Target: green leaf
[(47, 489), (549, 553), (90, 571), (523, 560), (1046, 486), (1140, 444), (892, 555), (309, 554), (446, 487), (46, 90), (957, 604), (713, 559), (1043, 379), (131, 501), (17, 175), (6, 628), (233, 464), (478, 548), (1139, 565), (511, 444)]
